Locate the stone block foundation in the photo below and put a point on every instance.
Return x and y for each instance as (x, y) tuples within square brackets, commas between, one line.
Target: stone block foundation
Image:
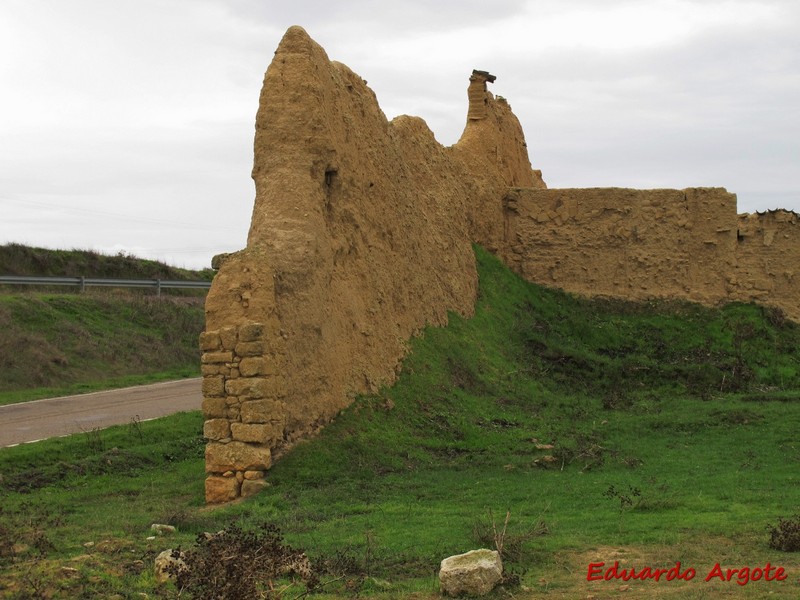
[(243, 404)]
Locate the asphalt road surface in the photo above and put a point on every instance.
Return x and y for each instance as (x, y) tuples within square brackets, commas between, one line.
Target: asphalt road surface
[(53, 417)]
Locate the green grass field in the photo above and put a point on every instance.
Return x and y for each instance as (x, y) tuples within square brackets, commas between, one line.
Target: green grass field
[(648, 434), (59, 344), (19, 259)]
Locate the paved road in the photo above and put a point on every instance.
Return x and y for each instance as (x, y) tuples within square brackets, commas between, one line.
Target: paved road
[(52, 417)]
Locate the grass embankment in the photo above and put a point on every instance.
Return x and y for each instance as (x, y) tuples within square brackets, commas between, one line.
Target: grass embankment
[(58, 343), (674, 438), (18, 259)]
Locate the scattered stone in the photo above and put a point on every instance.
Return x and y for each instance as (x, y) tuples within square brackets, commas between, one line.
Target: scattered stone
[(474, 573), (207, 535), (69, 571), (297, 564), (88, 544), (221, 489), (161, 529), (164, 561), (250, 487), (543, 461), (150, 538)]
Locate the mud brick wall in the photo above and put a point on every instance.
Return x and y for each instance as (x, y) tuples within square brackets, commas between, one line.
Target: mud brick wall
[(622, 242), (362, 233), (640, 244), (768, 260)]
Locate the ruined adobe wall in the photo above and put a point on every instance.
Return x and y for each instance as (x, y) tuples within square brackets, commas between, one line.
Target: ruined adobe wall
[(361, 235), (641, 244), (768, 260), (624, 242)]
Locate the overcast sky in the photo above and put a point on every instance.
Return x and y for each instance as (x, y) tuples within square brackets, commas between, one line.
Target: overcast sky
[(127, 125)]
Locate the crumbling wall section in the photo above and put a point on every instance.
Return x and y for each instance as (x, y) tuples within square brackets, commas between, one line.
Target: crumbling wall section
[(494, 154), (641, 244), (768, 260), (624, 242), (361, 235), (243, 365)]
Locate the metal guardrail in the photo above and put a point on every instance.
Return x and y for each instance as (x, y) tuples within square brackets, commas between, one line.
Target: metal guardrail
[(84, 282)]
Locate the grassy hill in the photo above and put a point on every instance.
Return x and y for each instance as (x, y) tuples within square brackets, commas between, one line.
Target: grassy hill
[(648, 434), (18, 259), (58, 341)]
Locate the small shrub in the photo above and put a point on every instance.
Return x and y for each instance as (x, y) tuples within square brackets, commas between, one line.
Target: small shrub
[(23, 531), (7, 541), (94, 440), (627, 500), (509, 543), (583, 448), (785, 535), (346, 570), (632, 462), (135, 429), (736, 416), (616, 399), (775, 316)]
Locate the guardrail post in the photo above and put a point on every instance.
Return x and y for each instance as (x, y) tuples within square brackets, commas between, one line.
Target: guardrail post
[(83, 284), (158, 288)]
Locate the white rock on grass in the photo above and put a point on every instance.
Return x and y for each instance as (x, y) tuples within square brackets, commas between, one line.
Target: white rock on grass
[(165, 560), (161, 529), (475, 573)]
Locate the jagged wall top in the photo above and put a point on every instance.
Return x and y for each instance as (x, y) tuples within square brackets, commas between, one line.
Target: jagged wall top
[(361, 230), (361, 235)]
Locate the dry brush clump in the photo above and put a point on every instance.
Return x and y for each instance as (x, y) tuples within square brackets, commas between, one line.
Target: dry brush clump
[(785, 536), (239, 564), (510, 543)]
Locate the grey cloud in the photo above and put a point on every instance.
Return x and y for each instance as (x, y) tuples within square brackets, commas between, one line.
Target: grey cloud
[(150, 105), (416, 15)]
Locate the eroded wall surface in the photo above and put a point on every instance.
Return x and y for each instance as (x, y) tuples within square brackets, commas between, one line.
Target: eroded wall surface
[(361, 235), (640, 244), (768, 260), (624, 242)]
